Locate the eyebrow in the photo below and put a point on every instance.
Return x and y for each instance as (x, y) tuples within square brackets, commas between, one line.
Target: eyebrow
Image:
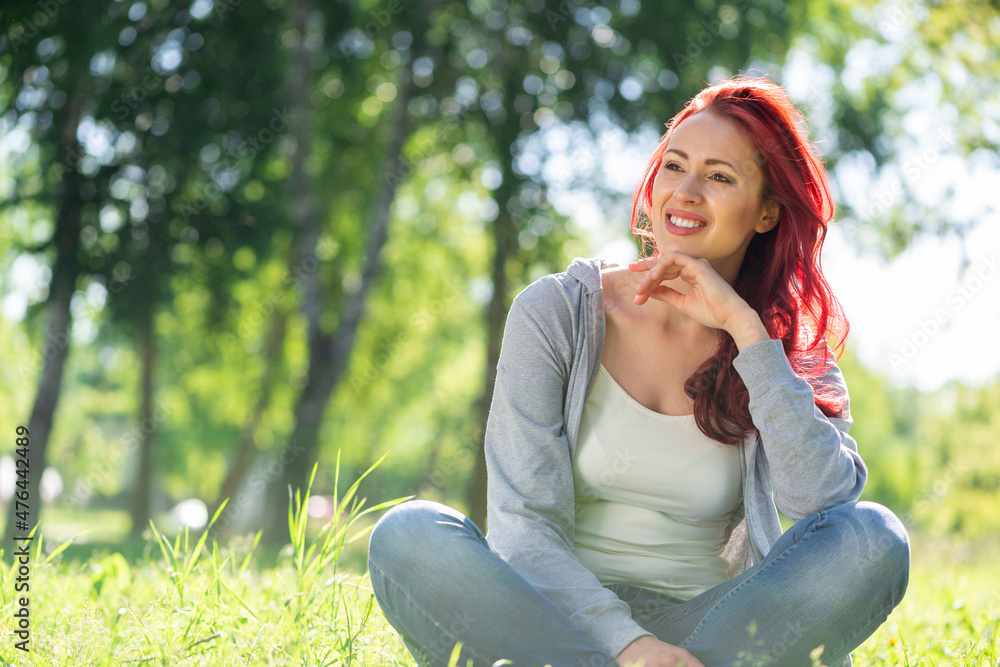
[(708, 161)]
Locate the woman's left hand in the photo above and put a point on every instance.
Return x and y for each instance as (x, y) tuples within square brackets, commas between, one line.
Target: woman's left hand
[(711, 301)]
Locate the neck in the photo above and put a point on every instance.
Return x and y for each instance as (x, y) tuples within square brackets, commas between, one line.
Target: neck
[(660, 315)]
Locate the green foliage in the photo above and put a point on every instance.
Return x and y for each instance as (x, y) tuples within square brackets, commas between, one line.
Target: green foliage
[(931, 456), (323, 551), (898, 81), (205, 604), (240, 610), (180, 557), (950, 614)]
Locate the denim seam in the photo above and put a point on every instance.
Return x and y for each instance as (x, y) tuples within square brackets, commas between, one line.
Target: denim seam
[(444, 630), (707, 601), (725, 592), (895, 602), (751, 578), (848, 642), (635, 597)]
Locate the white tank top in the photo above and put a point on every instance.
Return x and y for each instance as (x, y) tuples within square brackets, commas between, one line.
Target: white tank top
[(653, 495)]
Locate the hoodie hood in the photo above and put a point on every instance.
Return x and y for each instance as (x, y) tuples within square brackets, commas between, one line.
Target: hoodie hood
[(588, 271)]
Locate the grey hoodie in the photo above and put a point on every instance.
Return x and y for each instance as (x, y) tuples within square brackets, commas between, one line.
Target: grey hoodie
[(801, 461)]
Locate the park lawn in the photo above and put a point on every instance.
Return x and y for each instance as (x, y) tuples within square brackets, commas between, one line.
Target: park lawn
[(951, 612), (190, 601), (225, 606)]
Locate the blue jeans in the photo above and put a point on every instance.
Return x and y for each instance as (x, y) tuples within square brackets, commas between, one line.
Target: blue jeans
[(831, 579)]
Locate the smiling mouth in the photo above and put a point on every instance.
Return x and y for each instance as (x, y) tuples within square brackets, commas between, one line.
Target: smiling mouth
[(684, 222)]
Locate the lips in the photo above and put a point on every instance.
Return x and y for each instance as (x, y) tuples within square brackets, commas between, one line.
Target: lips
[(684, 222), (681, 225)]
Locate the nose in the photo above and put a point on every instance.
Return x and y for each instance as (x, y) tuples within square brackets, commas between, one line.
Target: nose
[(688, 190)]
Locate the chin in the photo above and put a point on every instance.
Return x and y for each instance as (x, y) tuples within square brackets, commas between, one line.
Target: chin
[(664, 248)]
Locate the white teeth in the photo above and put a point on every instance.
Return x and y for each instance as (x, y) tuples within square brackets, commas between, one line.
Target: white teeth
[(683, 222)]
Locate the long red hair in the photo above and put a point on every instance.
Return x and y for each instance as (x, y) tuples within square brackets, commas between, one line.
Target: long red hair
[(781, 277)]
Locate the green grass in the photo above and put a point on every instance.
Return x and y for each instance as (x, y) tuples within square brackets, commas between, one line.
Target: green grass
[(190, 602), (951, 612)]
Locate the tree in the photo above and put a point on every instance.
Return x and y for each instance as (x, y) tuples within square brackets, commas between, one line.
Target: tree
[(900, 92), (116, 192), (329, 352), (58, 127)]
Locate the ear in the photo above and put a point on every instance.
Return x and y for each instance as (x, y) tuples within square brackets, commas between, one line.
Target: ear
[(769, 215)]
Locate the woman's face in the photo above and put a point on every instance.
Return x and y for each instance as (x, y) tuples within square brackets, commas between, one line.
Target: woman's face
[(710, 178)]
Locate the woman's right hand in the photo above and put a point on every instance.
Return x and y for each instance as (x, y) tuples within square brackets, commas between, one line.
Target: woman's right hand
[(651, 652)]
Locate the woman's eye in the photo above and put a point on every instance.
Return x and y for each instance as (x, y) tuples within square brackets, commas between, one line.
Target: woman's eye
[(672, 166), (722, 178)]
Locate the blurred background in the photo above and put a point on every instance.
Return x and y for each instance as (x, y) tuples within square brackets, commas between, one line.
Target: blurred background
[(240, 238)]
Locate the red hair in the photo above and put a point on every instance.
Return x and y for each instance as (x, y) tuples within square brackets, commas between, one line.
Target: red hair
[(781, 277)]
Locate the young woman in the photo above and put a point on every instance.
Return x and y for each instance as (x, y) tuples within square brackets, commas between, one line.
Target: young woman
[(648, 422)]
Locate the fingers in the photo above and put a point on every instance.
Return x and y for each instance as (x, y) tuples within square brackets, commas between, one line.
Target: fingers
[(672, 257), (658, 269), (643, 264), (660, 293), (684, 659), (651, 652), (689, 660)]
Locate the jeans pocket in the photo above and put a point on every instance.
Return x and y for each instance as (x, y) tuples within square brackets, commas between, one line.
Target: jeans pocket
[(625, 592)]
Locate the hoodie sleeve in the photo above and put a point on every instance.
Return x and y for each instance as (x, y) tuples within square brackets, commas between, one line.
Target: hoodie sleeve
[(530, 477), (814, 463)]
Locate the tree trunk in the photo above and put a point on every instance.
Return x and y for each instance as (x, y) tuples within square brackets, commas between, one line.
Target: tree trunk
[(66, 239), (306, 214), (328, 355), (142, 491), (246, 453)]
